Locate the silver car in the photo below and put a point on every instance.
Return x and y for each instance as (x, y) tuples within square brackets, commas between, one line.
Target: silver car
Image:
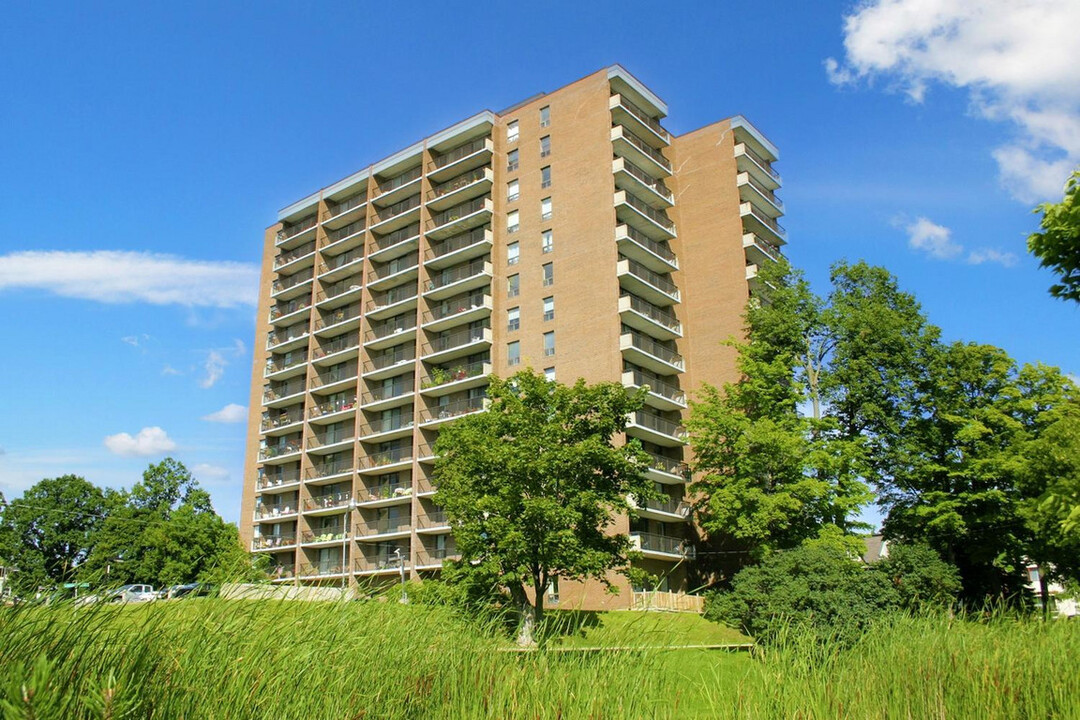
[(134, 593)]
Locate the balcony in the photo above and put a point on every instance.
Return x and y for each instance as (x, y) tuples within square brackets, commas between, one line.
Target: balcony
[(746, 160), (666, 470), (289, 313), (349, 237), (637, 214), (327, 504), (655, 429), (329, 472), (459, 343), (294, 234), (460, 218), (459, 248), (385, 496), (341, 266), (442, 414), (396, 216), (653, 254), (760, 224), (750, 190), (272, 542), (292, 286), (426, 454), (466, 186), (461, 279), (287, 339), (644, 316), (275, 511), (345, 211), (643, 124), (316, 571), (387, 460), (335, 379), (336, 351), (338, 321), (280, 452), (282, 572), (339, 293), (286, 393), (661, 547), (663, 395), (629, 176), (644, 283), (446, 381), (399, 187), (666, 509), (392, 332), (298, 258), (385, 430), (433, 559), (473, 154), (391, 302), (385, 397), (399, 270), (278, 423), (760, 251), (331, 440), (390, 364), (333, 410), (383, 563), (395, 244), (433, 522), (648, 353), (628, 145), (383, 529), (285, 366), (458, 310), (324, 536), (753, 279), (280, 480)]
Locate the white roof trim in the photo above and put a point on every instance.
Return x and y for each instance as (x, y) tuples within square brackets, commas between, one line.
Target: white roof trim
[(353, 179), (299, 205), (414, 149), (478, 119), (740, 121), (620, 72)]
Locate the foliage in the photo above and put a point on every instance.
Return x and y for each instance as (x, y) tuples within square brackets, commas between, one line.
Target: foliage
[(922, 580), (1058, 245), (531, 485), (48, 533), (816, 590)]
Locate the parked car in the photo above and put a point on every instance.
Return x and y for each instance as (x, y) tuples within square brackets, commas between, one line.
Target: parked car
[(188, 590), (133, 593)]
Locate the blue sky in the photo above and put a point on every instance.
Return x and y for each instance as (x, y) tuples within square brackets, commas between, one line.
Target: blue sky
[(145, 147)]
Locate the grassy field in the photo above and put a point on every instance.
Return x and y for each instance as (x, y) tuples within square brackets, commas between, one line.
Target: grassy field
[(319, 661)]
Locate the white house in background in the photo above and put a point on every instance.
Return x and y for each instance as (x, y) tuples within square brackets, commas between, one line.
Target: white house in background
[(1066, 607)]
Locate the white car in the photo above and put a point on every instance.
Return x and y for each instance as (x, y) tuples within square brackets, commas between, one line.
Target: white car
[(134, 593)]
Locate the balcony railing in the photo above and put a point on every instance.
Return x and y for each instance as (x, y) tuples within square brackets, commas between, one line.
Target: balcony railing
[(762, 162), (453, 409), (657, 216), (436, 518), (356, 226), (383, 561), (338, 261), (662, 543), (457, 212), (288, 308), (766, 220), (328, 469), (380, 426), (648, 180), (665, 389), (457, 242), (457, 183), (339, 288), (398, 208), (659, 424), (668, 465), (456, 373), (334, 375), (453, 275), (383, 526), (648, 345), (277, 420), (389, 392), (455, 339), (268, 542), (287, 257), (654, 313), (657, 248), (646, 148), (338, 316), (271, 480), (329, 501), (335, 209), (397, 237), (386, 492), (272, 451), (264, 511), (381, 362), (283, 571), (387, 457), (287, 283), (400, 181), (338, 344), (293, 332), (646, 119), (292, 231), (322, 439), (655, 279), (287, 362), (408, 262), (454, 306), (764, 190), (462, 151), (391, 297), (393, 326), (329, 533), (332, 406), (283, 390), (322, 569)]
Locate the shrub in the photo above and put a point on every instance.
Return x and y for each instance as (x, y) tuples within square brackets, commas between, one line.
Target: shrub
[(920, 577)]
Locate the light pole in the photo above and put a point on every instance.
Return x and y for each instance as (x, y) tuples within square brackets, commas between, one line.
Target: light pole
[(401, 568), (345, 541)]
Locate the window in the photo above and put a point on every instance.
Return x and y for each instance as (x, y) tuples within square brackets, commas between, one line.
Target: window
[(545, 209), (545, 116), (549, 308), (513, 221), (549, 343), (513, 318), (548, 274), (513, 353), (512, 160), (512, 131), (545, 146), (513, 253), (549, 374), (547, 241), (513, 191), (545, 176), (513, 286)]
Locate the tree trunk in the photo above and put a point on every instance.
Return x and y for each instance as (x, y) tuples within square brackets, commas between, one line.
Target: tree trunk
[(1044, 595), (539, 587), (525, 615)]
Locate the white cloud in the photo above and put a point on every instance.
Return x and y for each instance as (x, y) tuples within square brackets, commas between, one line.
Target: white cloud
[(125, 277), (149, 441), (205, 470), (933, 239), (214, 365), (978, 257), (231, 413), (1074, 377), (132, 340), (1019, 61), (170, 370)]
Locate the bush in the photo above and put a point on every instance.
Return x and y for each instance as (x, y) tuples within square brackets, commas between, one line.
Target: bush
[(920, 577)]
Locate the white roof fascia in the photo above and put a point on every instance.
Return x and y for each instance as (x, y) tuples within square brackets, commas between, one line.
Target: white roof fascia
[(478, 119), (620, 72), (740, 121)]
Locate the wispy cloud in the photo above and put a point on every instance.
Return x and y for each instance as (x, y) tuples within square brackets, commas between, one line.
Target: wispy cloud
[(128, 277), (217, 359), (231, 413), (1018, 61), (205, 470), (937, 242), (170, 370), (149, 441)]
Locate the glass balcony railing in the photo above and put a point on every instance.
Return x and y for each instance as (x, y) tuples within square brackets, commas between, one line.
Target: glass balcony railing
[(647, 345), (435, 518)]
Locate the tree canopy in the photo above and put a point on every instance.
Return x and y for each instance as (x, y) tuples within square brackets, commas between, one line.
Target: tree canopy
[(1058, 244)]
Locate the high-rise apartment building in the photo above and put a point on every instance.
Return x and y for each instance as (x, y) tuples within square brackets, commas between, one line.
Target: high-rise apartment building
[(570, 233)]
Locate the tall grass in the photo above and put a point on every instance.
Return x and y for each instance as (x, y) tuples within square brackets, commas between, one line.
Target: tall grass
[(322, 661)]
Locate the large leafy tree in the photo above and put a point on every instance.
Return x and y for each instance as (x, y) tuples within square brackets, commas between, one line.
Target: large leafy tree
[(48, 533), (531, 485), (1058, 244)]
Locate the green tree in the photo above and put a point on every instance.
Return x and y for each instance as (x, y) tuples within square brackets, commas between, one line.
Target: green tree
[(530, 487), (922, 580), (49, 531), (1058, 245)]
